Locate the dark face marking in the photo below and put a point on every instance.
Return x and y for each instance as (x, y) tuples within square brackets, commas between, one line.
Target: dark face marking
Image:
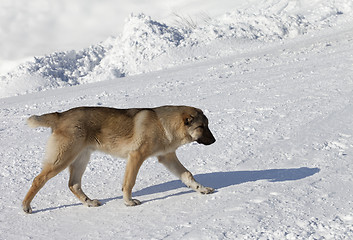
[(197, 124), (207, 137)]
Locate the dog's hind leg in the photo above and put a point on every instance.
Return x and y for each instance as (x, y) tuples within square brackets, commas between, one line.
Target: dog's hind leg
[(172, 163), (77, 168), (60, 153)]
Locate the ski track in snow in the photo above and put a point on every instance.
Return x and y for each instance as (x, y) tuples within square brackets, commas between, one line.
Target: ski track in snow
[(281, 113)]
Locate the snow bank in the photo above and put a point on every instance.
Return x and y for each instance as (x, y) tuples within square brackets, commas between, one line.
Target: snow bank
[(145, 45), (142, 40)]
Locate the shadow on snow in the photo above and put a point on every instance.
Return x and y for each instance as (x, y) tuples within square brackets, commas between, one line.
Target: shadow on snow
[(217, 180)]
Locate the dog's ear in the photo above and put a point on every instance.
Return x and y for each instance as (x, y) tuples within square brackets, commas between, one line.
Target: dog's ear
[(188, 119)]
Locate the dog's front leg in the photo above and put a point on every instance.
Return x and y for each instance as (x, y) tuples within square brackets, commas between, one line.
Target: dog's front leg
[(133, 165), (172, 163)]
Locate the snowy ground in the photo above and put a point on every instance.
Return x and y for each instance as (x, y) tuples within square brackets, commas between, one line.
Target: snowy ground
[(280, 109)]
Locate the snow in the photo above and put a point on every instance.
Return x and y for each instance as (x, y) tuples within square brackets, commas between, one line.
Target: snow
[(147, 45), (38, 27), (278, 95)]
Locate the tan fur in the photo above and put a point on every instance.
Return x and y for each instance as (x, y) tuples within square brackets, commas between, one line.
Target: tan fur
[(135, 134)]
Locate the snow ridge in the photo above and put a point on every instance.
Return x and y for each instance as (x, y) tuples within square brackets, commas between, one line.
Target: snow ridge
[(145, 40), (142, 40)]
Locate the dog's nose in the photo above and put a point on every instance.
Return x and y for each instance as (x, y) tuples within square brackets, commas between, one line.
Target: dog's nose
[(207, 140), (210, 141)]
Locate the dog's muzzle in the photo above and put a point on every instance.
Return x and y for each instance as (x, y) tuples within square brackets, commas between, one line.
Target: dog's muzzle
[(207, 138)]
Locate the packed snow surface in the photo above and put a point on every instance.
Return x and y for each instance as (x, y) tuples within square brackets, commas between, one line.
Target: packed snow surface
[(276, 82)]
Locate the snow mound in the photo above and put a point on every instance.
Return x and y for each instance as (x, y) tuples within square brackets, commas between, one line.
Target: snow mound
[(147, 45), (55, 70), (142, 40)]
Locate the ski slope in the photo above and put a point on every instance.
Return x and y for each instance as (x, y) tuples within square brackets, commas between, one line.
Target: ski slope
[(280, 107)]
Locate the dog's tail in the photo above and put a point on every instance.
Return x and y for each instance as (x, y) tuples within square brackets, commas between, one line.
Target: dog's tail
[(45, 120)]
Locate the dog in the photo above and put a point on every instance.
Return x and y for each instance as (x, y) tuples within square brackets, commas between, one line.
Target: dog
[(134, 134)]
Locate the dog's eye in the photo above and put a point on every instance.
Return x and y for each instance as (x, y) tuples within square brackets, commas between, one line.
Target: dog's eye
[(202, 127)]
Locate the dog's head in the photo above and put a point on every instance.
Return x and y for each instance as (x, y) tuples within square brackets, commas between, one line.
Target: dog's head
[(196, 124)]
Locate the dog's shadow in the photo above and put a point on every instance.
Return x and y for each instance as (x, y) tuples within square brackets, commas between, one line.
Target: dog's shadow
[(217, 180)]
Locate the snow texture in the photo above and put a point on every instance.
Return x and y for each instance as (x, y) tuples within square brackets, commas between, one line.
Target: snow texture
[(146, 45), (276, 83)]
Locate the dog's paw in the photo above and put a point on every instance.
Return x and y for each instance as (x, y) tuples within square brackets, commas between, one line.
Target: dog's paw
[(27, 209), (93, 203), (132, 202), (206, 190)]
